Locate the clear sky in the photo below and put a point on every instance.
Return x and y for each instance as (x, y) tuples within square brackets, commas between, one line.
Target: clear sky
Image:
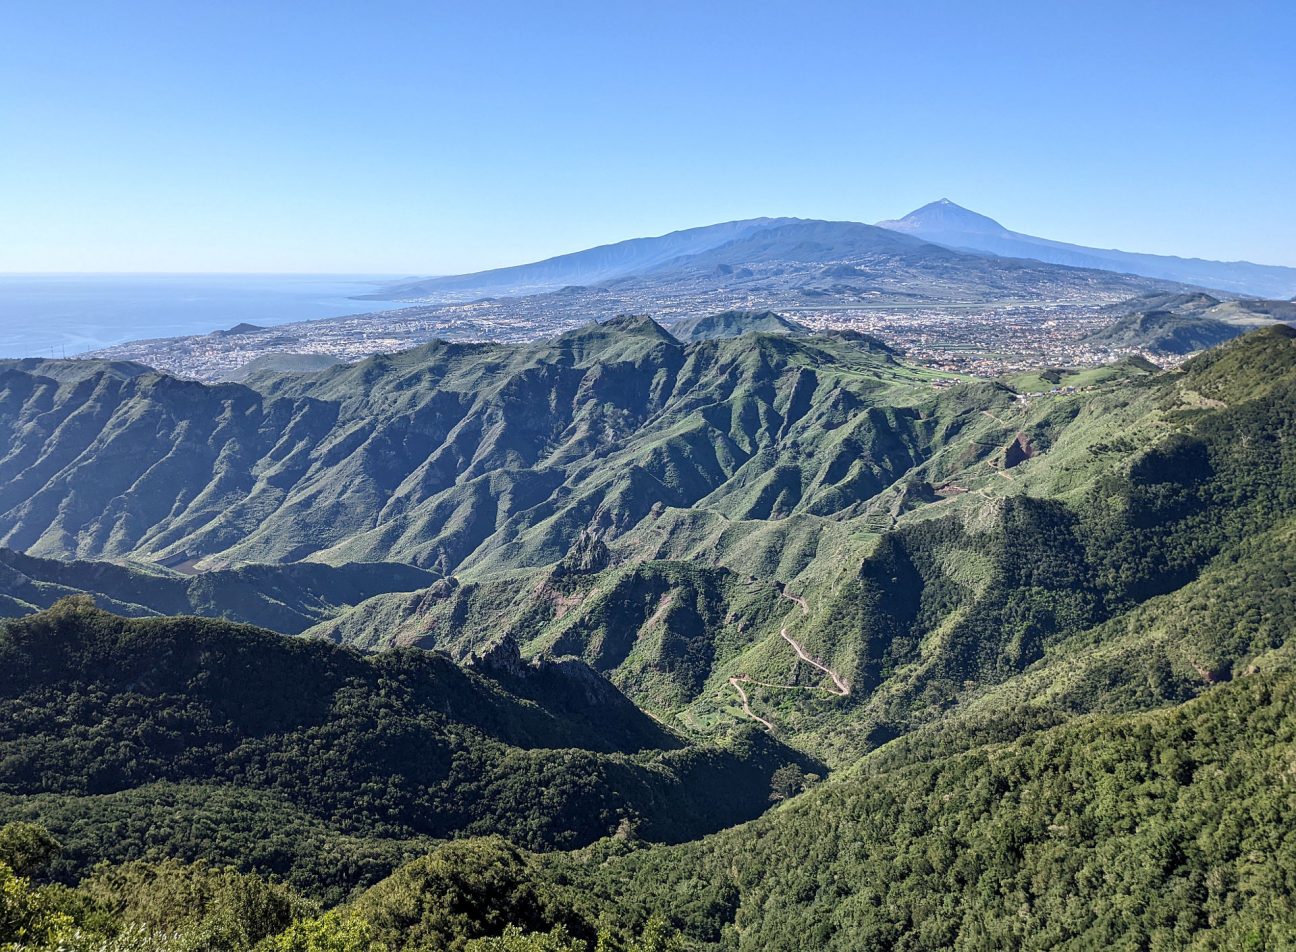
[(427, 137)]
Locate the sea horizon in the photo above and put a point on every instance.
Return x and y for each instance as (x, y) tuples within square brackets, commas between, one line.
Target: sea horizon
[(58, 314)]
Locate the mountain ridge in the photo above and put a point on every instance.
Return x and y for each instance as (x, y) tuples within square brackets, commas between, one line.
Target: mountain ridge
[(951, 225), (1179, 324), (713, 251), (942, 222), (588, 266)]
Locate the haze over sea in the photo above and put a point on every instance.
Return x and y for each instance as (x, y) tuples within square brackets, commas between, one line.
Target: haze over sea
[(50, 315)]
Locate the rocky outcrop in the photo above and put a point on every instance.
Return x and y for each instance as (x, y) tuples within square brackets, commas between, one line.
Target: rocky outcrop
[(501, 657), (570, 687), (587, 554), (1018, 451)]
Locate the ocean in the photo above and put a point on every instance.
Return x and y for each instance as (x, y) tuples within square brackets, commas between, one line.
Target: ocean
[(52, 315)]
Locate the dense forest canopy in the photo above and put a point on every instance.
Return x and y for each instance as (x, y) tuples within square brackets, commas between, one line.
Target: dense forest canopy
[(617, 642)]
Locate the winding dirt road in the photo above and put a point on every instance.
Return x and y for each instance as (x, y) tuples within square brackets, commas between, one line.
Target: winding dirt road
[(840, 687), (1000, 420), (805, 609), (746, 704)]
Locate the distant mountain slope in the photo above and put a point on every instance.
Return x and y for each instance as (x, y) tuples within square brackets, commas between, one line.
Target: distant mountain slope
[(733, 324), (818, 242), (1183, 323), (1167, 332), (77, 368), (283, 363), (784, 260), (286, 598), (837, 264), (450, 453), (948, 224), (581, 267)]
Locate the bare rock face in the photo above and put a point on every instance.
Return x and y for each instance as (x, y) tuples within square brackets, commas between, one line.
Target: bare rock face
[(443, 588), (1018, 451), (504, 658), (588, 554), (577, 674), (569, 686), (501, 657)]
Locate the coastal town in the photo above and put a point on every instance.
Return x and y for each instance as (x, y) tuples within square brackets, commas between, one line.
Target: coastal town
[(977, 339)]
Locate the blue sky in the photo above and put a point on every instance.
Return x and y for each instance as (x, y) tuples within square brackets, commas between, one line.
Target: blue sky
[(441, 137)]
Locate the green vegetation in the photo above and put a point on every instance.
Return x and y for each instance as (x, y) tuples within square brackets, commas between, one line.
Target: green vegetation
[(930, 597), (283, 363), (1053, 378), (288, 598), (452, 456), (1162, 830), (928, 668), (1180, 324), (733, 324), (112, 724)]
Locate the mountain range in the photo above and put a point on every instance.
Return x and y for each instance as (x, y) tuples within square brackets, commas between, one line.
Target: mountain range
[(583, 267), (645, 504), (737, 243), (784, 261), (845, 259), (953, 226), (738, 637), (1183, 323)]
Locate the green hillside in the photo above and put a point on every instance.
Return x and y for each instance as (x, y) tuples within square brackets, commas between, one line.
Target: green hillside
[(1161, 830), (449, 455), (733, 324), (287, 598), (1019, 657), (1177, 324), (1149, 831), (112, 730), (1029, 529), (280, 363)]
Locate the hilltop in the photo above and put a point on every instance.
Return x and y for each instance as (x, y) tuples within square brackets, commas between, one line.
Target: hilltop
[(733, 324), (1184, 323), (951, 225)]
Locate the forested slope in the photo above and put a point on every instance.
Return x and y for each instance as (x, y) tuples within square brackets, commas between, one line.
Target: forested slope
[(1044, 643), (250, 729)]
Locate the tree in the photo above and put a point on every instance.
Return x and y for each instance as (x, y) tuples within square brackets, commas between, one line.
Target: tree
[(786, 782), (27, 848), (332, 932), (28, 915), (514, 939)]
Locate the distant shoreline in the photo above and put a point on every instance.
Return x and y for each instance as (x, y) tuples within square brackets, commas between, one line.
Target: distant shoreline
[(56, 315)]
